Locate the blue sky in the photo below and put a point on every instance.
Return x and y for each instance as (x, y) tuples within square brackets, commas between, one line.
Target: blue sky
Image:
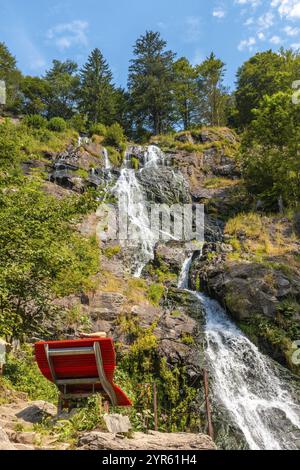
[(36, 31)]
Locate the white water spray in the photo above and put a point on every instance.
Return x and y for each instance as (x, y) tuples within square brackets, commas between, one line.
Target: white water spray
[(132, 203), (245, 381)]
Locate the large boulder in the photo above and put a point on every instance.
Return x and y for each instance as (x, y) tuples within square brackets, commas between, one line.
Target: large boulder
[(37, 411), (163, 185)]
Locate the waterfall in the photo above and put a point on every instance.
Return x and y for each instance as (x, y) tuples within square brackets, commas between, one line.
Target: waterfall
[(107, 164), (245, 381), (133, 205), (153, 156)]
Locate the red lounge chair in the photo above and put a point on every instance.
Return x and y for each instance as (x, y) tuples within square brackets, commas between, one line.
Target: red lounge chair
[(81, 368)]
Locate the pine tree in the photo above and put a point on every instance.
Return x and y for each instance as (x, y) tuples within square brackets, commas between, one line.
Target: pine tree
[(213, 93), (150, 83), (97, 97), (186, 92)]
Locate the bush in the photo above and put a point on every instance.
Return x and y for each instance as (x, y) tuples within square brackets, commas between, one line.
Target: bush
[(155, 293), (98, 129), (115, 157), (57, 124), (23, 374), (79, 123), (35, 121), (115, 136)]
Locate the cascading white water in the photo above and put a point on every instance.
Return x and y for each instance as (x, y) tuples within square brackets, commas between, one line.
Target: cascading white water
[(133, 205), (153, 156), (107, 164), (245, 381)]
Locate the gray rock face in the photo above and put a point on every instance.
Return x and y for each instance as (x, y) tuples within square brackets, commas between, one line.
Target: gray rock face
[(36, 411), (117, 423), (246, 288), (162, 185), (151, 441)]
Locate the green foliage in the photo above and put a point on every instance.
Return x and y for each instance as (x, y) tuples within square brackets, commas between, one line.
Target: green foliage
[(114, 136), (10, 154), (213, 94), (78, 122), (12, 77), (150, 82), (112, 251), (116, 157), (269, 152), (266, 73), (96, 97), (140, 368), (63, 85), (98, 129), (155, 293), (35, 91), (35, 121), (186, 92), (22, 372), (40, 256), (57, 124), (135, 163)]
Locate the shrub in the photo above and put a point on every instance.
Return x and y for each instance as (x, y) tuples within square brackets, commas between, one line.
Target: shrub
[(98, 129), (79, 123), (115, 157), (115, 135), (57, 124), (155, 293), (23, 374), (112, 251), (35, 121)]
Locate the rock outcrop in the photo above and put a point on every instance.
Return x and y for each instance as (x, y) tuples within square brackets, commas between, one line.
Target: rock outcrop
[(164, 186), (151, 441)]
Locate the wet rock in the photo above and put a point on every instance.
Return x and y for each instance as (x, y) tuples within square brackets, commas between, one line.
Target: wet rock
[(164, 186)]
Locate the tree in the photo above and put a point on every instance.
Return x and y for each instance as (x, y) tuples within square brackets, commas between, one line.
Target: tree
[(41, 258), (213, 93), (263, 74), (270, 151), (150, 83), (10, 74), (35, 92), (186, 94), (97, 98), (63, 83)]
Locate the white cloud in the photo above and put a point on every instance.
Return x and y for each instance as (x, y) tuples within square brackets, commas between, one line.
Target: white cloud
[(219, 13), (253, 3), (249, 22), (296, 46), (275, 40), (261, 36), (266, 20), (247, 44), (193, 28), (290, 31), (288, 8), (66, 35)]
